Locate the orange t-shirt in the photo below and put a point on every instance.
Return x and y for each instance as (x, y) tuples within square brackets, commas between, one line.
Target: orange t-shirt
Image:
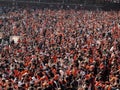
[(16, 73)]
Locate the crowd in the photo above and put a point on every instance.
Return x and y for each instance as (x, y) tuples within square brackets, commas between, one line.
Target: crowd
[(60, 50)]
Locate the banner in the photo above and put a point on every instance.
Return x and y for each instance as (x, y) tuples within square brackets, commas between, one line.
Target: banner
[(15, 38)]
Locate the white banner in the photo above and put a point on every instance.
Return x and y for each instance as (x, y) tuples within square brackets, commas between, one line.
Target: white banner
[(15, 38)]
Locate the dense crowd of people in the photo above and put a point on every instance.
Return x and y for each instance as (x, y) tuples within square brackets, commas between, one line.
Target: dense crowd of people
[(60, 50)]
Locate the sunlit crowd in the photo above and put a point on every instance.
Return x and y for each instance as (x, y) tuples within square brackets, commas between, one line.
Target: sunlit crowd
[(60, 50)]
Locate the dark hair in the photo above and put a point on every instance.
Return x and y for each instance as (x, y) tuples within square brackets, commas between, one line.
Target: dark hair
[(10, 88)]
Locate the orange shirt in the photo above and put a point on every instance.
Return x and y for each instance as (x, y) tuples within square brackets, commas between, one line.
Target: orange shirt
[(75, 71), (55, 58), (16, 73), (68, 72)]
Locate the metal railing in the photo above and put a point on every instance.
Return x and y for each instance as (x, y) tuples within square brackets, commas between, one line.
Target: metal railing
[(62, 4), (66, 1)]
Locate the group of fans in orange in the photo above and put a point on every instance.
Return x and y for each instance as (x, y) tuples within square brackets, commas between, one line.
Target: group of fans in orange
[(60, 50)]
